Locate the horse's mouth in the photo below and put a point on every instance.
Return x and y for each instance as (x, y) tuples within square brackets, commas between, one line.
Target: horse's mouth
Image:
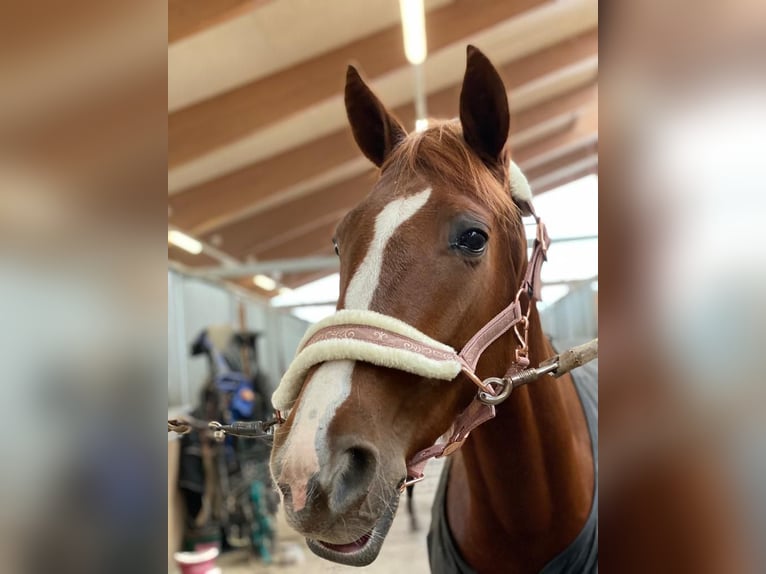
[(362, 551)]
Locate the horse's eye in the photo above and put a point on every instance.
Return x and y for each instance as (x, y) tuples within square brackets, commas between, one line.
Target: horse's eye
[(335, 245), (473, 241)]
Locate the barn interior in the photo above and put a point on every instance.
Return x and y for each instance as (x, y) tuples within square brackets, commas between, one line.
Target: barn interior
[(262, 166)]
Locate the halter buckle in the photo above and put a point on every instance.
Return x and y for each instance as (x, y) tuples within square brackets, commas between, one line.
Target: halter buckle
[(453, 446)]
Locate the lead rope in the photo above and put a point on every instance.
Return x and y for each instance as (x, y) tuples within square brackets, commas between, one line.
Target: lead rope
[(245, 429)]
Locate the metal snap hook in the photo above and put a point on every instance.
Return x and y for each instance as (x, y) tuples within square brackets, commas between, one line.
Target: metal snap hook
[(219, 434), (503, 391), (405, 482)]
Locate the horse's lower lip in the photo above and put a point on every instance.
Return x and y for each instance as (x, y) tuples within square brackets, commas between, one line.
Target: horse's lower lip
[(361, 552), (365, 549), (355, 546)]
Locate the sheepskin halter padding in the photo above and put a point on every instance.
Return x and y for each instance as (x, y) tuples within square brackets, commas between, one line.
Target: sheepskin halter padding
[(371, 337), (520, 189)]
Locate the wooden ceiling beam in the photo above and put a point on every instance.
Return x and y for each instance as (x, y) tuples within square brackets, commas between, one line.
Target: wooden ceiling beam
[(586, 96), (187, 17), (217, 121), (568, 176), (583, 162), (299, 246), (280, 230), (578, 163), (583, 131), (309, 225), (577, 154), (245, 235), (516, 75), (281, 222), (234, 196), (586, 163)]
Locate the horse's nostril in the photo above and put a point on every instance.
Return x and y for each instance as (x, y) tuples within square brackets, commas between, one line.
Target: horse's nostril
[(355, 472), (360, 460)]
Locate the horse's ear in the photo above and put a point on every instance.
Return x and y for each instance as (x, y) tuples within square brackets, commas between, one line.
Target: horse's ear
[(484, 111), (375, 130)]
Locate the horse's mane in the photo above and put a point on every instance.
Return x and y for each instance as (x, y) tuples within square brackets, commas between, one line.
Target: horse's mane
[(440, 154)]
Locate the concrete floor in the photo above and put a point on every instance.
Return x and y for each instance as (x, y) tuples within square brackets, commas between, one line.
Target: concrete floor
[(403, 550)]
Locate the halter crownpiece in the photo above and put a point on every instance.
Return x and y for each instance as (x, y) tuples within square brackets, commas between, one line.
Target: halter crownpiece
[(367, 336)]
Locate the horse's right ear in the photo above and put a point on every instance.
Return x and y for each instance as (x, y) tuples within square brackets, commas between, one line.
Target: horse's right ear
[(375, 130)]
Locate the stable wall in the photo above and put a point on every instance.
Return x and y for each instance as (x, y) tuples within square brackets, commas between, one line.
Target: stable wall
[(574, 317)]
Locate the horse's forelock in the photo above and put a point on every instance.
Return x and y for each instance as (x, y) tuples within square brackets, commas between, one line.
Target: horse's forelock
[(441, 156)]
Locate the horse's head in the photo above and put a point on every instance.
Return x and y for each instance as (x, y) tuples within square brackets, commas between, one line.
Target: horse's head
[(439, 244)]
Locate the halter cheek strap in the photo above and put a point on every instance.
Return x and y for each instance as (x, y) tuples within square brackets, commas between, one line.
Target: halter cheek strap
[(480, 410), (382, 340)]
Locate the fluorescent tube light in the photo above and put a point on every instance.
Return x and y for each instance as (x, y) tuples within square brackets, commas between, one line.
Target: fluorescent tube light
[(265, 282), (184, 242), (414, 29)]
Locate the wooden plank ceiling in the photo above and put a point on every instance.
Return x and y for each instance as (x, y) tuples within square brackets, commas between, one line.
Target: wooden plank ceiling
[(261, 163)]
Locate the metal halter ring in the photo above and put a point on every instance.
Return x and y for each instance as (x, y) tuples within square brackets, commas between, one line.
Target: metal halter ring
[(405, 482), (505, 388)]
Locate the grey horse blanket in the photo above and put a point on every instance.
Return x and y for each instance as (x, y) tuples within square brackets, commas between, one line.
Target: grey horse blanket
[(581, 557)]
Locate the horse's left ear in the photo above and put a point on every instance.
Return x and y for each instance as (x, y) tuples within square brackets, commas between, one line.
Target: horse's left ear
[(484, 111)]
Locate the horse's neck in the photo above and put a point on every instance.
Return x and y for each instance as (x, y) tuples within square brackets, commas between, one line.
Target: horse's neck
[(521, 487)]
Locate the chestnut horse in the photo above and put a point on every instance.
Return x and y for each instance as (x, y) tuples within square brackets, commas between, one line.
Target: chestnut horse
[(438, 244)]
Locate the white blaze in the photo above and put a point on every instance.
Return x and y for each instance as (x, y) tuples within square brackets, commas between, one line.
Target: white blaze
[(325, 392), (330, 385), (364, 283)]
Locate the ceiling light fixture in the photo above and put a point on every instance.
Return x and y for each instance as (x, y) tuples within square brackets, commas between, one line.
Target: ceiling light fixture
[(184, 242), (414, 29), (264, 282)]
